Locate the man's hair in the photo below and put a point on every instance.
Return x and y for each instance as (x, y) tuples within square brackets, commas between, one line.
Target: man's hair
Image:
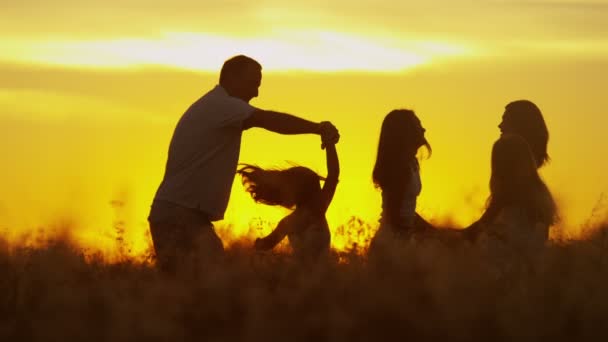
[(236, 66)]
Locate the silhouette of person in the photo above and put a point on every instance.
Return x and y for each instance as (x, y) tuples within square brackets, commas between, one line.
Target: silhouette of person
[(296, 188), (525, 119), (202, 160), (523, 204), (397, 174)]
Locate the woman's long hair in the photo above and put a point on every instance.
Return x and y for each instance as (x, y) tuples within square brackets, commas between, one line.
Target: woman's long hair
[(400, 139), (288, 188), (515, 180), (528, 122)]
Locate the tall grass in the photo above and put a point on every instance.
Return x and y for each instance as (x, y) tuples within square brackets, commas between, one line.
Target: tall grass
[(429, 290)]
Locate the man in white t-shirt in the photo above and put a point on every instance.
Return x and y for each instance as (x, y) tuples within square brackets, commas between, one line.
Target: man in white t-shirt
[(202, 161)]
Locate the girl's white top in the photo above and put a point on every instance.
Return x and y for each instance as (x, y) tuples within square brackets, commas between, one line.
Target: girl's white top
[(413, 186)]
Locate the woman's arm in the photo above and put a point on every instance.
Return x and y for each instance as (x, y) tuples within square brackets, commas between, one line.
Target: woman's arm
[(333, 172)]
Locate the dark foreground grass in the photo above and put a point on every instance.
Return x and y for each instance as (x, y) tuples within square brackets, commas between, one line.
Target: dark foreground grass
[(430, 290)]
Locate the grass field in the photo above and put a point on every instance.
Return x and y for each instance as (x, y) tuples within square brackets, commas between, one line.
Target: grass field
[(431, 289)]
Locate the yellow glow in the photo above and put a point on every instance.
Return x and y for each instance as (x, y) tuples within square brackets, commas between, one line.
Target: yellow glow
[(87, 138), (90, 96), (296, 50)]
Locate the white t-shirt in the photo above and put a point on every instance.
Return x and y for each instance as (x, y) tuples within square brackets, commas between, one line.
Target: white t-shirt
[(204, 153), (413, 186)]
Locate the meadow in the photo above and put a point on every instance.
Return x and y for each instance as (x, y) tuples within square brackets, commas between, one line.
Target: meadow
[(430, 289)]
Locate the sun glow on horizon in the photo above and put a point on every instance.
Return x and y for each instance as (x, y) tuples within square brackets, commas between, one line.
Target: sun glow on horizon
[(324, 51)]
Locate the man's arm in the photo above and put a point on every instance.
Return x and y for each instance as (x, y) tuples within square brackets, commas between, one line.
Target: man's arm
[(283, 123)]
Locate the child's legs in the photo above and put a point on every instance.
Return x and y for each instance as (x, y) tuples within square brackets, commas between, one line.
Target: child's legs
[(310, 244)]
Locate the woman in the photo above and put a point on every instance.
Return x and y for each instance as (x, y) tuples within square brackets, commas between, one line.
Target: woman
[(525, 119), (522, 206)]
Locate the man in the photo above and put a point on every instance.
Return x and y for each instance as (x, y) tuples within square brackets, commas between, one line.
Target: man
[(202, 161)]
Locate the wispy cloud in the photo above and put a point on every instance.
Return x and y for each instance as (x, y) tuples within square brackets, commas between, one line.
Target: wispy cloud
[(314, 35), (482, 19), (294, 50), (559, 4)]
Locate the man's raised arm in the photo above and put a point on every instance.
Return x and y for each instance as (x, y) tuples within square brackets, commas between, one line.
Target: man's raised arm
[(284, 123)]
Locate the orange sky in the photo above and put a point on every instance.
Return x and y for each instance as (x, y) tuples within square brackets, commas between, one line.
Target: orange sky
[(91, 91)]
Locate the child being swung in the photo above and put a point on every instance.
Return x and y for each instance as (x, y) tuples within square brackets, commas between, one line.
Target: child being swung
[(296, 188)]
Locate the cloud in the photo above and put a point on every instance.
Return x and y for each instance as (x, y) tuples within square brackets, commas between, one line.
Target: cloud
[(559, 4), (433, 19), (293, 50)]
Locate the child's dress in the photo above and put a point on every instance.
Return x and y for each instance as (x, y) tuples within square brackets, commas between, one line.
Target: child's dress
[(308, 234)]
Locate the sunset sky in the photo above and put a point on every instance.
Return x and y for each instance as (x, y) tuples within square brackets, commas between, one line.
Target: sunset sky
[(90, 92)]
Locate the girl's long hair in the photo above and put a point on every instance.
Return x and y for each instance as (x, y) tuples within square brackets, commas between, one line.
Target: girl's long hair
[(397, 148), (270, 186)]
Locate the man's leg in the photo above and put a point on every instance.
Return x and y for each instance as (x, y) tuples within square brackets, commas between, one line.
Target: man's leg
[(170, 227), (205, 245), (165, 245), (182, 237)]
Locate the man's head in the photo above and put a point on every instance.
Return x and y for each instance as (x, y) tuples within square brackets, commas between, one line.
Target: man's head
[(241, 76)]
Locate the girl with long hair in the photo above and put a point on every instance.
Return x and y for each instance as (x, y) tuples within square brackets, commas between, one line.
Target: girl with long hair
[(296, 188), (397, 174)]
